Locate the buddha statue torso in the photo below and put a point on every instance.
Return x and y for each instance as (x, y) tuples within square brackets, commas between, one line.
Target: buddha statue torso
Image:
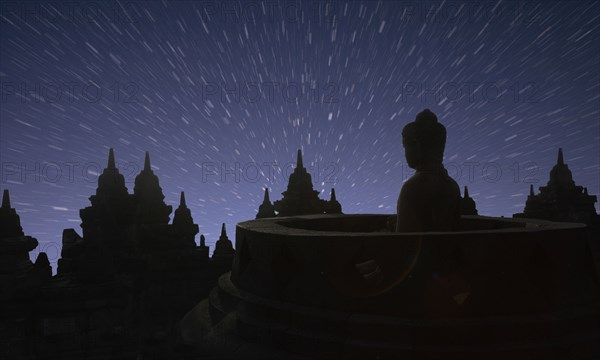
[(429, 201)]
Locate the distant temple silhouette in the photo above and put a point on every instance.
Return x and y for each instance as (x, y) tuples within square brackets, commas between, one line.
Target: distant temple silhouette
[(131, 270), (300, 198), (467, 204), (123, 232), (561, 199)]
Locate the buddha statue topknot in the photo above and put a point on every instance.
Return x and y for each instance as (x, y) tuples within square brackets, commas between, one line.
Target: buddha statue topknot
[(430, 199)]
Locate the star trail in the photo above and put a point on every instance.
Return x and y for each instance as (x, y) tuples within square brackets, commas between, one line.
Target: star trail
[(222, 94)]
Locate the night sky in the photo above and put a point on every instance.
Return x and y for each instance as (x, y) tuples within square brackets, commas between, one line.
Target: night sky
[(223, 94)]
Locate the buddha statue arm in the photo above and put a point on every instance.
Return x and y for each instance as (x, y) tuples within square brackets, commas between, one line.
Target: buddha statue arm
[(409, 217)]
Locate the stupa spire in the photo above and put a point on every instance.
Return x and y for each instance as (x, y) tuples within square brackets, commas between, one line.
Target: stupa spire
[(467, 204), (223, 231), (531, 190), (111, 159), (300, 198), (223, 246), (151, 207), (203, 249), (560, 175), (266, 209), (5, 199), (183, 222), (10, 223), (111, 183), (560, 160), (333, 206), (299, 162), (182, 200), (147, 166)]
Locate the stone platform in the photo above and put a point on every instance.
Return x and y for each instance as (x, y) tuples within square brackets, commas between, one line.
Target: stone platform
[(499, 288)]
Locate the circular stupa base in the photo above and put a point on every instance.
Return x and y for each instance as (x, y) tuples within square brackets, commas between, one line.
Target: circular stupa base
[(499, 288)]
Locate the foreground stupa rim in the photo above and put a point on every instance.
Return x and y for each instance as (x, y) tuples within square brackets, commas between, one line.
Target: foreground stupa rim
[(291, 226)]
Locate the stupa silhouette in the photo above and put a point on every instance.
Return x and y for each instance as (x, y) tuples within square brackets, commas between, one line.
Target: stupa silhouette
[(561, 199), (300, 198)]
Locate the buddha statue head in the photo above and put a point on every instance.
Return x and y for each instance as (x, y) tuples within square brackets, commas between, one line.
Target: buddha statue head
[(424, 141)]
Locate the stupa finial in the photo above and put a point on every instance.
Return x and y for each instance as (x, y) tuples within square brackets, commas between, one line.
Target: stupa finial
[(111, 159), (560, 160), (147, 166), (299, 162), (5, 199)]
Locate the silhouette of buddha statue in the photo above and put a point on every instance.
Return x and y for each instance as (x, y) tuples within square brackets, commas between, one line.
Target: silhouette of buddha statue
[(430, 199)]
